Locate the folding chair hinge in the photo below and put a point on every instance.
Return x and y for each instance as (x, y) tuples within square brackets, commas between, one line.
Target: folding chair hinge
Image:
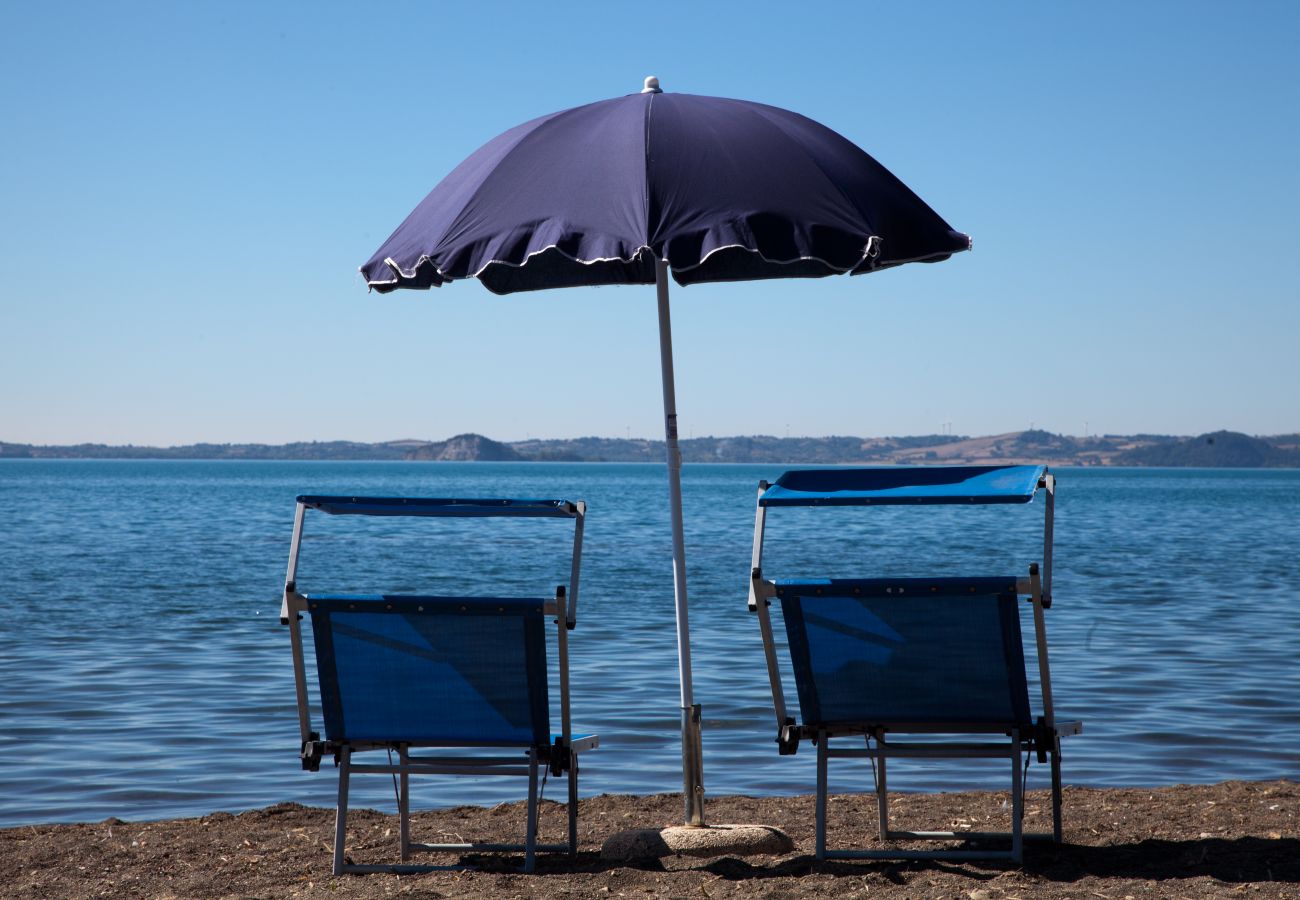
[(1043, 597), (560, 594), (312, 751), (561, 757), (787, 738), (1044, 739), (290, 592), (760, 591)]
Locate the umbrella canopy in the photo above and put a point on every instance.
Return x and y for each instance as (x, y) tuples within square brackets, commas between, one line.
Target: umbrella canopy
[(723, 190), (638, 188)]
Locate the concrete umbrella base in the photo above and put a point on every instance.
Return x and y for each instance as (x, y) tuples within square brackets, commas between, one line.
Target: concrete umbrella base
[(687, 840)]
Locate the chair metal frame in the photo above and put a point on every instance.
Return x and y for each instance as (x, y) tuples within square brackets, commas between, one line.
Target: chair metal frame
[(1044, 739), (562, 757)]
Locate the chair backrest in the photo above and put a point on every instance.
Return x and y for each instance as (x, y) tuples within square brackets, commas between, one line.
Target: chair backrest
[(431, 670), (935, 654)]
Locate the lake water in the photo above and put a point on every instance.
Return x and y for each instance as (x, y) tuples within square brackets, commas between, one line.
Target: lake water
[(146, 675)]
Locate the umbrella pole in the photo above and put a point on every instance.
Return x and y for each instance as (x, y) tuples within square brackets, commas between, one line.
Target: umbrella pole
[(692, 750)]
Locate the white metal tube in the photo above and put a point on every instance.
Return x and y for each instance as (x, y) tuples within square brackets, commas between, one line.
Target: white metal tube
[(882, 788), (819, 814), (1040, 640), (692, 761), (404, 801), (576, 565), (1049, 516), (562, 652), (290, 616), (756, 557), (759, 605), (674, 459), (341, 811), (1017, 800), (291, 574)]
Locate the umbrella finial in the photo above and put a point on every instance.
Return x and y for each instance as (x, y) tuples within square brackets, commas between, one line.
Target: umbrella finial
[(651, 85)]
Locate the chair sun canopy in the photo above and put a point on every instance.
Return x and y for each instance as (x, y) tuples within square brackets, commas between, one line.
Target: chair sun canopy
[(902, 485), (418, 506)]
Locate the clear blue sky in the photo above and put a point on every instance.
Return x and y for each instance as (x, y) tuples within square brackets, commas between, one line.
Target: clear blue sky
[(187, 190)]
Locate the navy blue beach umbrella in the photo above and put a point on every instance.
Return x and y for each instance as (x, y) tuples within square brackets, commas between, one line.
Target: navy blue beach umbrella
[(637, 188)]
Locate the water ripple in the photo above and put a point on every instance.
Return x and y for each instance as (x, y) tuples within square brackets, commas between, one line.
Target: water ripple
[(146, 673)]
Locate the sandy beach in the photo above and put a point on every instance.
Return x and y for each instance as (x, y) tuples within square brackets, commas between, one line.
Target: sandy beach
[(1225, 840)]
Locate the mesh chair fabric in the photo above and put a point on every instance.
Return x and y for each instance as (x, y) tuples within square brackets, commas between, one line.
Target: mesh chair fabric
[(432, 670), (906, 651)]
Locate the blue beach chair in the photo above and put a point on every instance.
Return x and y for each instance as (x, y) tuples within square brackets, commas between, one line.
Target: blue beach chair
[(939, 658), (465, 677)]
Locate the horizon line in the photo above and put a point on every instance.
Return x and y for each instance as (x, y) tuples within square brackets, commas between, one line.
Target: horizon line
[(946, 438)]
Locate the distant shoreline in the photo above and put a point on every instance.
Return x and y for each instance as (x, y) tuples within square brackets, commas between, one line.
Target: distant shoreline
[(1221, 449)]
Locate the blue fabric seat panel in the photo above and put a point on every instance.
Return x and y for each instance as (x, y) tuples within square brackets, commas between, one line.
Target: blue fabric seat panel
[(897, 652), (438, 671)]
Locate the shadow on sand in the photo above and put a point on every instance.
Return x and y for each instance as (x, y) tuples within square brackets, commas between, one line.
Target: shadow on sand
[(1233, 861), (1247, 859)]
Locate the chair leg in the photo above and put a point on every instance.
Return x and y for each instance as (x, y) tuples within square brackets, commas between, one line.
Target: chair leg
[(822, 740), (882, 790), (404, 803), (341, 812), (573, 804), (1017, 800), (1056, 788), (530, 841)]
